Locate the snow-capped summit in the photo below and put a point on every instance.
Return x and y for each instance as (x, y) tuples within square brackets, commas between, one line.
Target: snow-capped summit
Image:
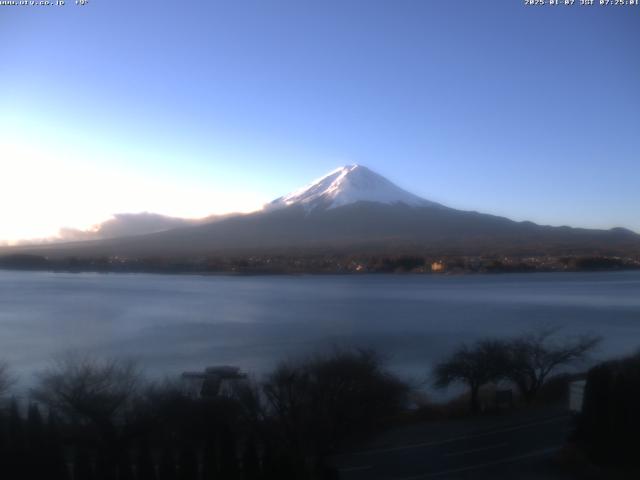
[(346, 185)]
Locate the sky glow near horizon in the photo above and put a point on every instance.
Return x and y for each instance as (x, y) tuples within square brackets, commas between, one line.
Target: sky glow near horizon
[(59, 189), (530, 113)]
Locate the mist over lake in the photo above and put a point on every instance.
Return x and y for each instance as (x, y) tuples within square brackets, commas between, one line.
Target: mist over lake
[(172, 323)]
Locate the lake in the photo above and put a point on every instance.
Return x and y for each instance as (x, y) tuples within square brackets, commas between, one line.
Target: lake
[(172, 323)]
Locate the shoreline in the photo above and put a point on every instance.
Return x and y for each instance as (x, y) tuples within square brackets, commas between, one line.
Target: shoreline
[(341, 273)]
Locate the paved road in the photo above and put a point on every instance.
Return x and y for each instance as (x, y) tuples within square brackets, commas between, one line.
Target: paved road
[(519, 446)]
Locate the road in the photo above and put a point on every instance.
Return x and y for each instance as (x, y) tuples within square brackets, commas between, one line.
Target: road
[(513, 446)]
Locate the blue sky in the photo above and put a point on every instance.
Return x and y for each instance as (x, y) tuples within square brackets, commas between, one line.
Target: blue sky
[(189, 108)]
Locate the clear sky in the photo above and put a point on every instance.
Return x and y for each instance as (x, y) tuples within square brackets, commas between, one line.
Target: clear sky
[(191, 108)]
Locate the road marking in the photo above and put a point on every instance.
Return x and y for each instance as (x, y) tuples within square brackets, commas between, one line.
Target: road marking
[(455, 439), (481, 449), (538, 453)]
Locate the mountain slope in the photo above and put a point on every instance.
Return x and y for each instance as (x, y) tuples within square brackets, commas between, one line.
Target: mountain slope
[(353, 210)]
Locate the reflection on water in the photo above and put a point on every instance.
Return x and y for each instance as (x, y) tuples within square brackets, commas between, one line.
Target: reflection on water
[(172, 323)]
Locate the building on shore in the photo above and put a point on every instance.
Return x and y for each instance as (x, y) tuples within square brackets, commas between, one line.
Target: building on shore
[(214, 382)]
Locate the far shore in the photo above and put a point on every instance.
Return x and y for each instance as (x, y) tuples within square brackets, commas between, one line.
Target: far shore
[(279, 265)]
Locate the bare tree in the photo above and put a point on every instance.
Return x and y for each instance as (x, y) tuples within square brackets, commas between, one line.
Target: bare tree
[(95, 393), (321, 402), (475, 365), (534, 356), (86, 389), (6, 380)]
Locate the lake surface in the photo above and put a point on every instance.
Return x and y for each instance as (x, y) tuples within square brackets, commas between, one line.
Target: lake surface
[(172, 323)]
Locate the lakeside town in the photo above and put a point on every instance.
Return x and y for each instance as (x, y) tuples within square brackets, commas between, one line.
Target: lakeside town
[(325, 264)]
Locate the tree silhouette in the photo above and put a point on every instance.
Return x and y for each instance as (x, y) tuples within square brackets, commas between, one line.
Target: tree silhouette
[(210, 459), (82, 465), (475, 365), (533, 357), (144, 462), (88, 390), (320, 403), (228, 454), (250, 461), (55, 459), (6, 380), (610, 421), (167, 470), (16, 451), (125, 466), (4, 443), (95, 393), (36, 442), (188, 462), (107, 462)]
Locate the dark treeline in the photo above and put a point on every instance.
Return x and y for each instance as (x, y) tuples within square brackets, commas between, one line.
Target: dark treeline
[(608, 426), (100, 420)]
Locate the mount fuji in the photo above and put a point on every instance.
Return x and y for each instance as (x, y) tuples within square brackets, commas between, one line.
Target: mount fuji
[(346, 185), (354, 210)]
